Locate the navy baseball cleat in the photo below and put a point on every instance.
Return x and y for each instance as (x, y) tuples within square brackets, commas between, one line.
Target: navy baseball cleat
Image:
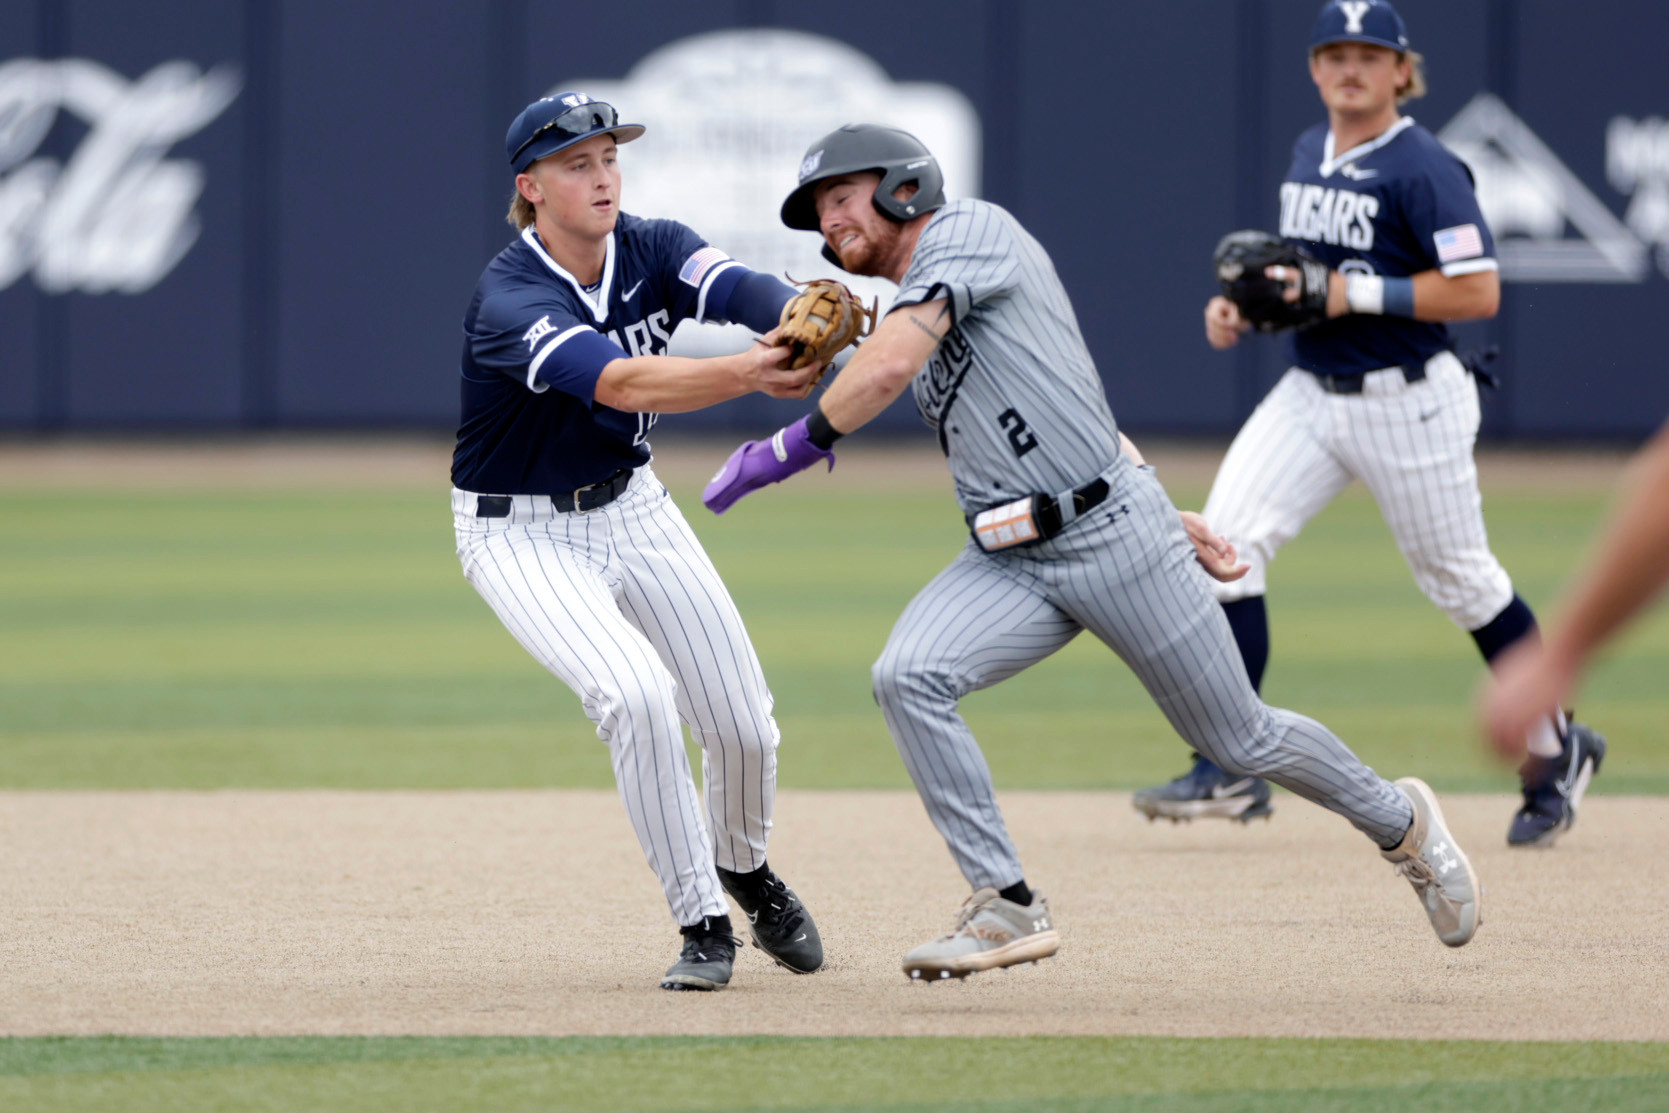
[(1553, 788), (777, 920), (1205, 791), (705, 962)]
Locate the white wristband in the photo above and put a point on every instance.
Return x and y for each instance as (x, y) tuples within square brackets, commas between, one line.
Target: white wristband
[(1365, 293)]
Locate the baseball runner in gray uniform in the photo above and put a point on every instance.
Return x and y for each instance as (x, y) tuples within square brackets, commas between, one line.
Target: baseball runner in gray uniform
[(1068, 532)]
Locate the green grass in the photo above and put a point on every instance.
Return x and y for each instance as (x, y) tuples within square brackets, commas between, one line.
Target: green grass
[(269, 639), (1049, 1074)]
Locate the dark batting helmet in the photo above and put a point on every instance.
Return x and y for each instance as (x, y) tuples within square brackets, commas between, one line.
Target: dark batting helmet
[(896, 155)]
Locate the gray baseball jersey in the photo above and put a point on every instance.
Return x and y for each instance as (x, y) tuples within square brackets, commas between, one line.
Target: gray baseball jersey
[(1020, 408), (1012, 390)]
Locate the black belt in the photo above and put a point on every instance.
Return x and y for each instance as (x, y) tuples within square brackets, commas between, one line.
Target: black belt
[(1352, 384), (577, 501), (1084, 499), (1047, 513)]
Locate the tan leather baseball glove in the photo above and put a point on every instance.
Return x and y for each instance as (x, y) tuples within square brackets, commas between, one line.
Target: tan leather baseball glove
[(820, 321)]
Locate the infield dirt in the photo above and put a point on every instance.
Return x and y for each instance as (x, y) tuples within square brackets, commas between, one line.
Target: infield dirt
[(512, 913)]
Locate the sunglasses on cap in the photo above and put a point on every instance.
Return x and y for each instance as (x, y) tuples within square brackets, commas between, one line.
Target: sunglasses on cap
[(575, 123)]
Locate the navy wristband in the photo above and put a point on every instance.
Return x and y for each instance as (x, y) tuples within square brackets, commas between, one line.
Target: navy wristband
[(1376, 295), (1399, 297)]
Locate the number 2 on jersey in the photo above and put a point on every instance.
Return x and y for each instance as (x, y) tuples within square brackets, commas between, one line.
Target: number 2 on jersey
[(1022, 438)]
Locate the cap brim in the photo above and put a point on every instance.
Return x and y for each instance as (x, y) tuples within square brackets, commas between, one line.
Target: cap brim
[(1368, 39), (623, 133)]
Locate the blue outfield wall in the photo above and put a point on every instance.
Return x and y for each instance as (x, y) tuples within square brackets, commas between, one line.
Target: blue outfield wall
[(269, 214)]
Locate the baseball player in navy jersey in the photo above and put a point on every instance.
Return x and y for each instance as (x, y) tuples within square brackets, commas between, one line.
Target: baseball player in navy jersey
[(1068, 533), (1375, 392), (564, 530)]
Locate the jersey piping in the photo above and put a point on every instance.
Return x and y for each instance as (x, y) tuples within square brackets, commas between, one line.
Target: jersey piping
[(1330, 163), (544, 353), (598, 301), (707, 285)]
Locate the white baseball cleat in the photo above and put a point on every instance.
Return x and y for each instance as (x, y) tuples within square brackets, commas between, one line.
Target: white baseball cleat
[(1438, 869), (990, 932)]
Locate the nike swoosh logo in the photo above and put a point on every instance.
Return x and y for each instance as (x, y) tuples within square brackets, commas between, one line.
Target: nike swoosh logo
[(1432, 414), (1220, 791), (1356, 175), (632, 291), (1577, 757), (753, 917), (801, 939)]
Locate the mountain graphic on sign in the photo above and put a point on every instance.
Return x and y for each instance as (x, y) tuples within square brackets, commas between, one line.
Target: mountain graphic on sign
[(1548, 227)]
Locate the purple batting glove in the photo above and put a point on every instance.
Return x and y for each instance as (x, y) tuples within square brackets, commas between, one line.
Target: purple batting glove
[(760, 463)]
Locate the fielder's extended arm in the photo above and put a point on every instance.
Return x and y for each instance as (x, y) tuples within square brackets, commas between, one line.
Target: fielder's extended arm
[(679, 384)]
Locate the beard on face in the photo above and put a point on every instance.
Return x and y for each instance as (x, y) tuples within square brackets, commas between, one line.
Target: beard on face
[(864, 256)]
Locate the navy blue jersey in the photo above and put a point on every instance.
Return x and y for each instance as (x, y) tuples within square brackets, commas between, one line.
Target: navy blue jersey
[(536, 341), (1395, 206)]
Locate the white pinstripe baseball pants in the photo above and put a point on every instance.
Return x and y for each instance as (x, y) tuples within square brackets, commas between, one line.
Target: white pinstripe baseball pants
[(1126, 572), (1410, 443), (623, 606)]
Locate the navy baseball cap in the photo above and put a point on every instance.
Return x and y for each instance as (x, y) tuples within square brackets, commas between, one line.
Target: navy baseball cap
[(561, 120), (1360, 21)]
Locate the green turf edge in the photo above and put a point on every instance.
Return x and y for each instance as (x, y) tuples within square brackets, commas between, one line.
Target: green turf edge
[(607, 1074)]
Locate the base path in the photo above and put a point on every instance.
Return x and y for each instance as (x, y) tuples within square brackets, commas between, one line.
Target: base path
[(520, 913)]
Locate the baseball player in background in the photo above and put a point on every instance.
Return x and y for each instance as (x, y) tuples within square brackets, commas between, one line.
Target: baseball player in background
[(1628, 569), (564, 530), (1068, 533), (1390, 244)]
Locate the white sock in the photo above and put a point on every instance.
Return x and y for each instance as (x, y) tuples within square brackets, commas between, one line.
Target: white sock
[(1546, 737)]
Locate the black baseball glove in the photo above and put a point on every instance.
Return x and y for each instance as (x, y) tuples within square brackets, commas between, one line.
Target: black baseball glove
[(1240, 260)]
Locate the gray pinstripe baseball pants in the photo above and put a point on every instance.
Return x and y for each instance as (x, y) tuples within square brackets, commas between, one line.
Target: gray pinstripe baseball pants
[(1125, 572), (622, 605)]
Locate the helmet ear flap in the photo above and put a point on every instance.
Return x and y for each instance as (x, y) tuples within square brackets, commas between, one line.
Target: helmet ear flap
[(929, 195)]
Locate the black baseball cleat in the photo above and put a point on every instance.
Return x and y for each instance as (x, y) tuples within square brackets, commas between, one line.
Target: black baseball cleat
[(1553, 788), (778, 922), (1206, 791), (707, 958)]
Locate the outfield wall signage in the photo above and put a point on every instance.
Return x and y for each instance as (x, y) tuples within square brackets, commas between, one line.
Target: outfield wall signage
[(117, 214), (1548, 225)]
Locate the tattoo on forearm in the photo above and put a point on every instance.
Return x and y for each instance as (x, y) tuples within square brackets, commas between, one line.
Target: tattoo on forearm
[(927, 328)]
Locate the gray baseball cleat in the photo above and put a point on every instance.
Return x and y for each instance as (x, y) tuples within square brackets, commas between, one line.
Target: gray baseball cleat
[(1437, 868), (777, 920), (706, 960), (990, 932)]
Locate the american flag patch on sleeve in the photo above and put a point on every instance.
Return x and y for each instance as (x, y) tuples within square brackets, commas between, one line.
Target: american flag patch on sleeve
[(695, 268), (1463, 241)]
